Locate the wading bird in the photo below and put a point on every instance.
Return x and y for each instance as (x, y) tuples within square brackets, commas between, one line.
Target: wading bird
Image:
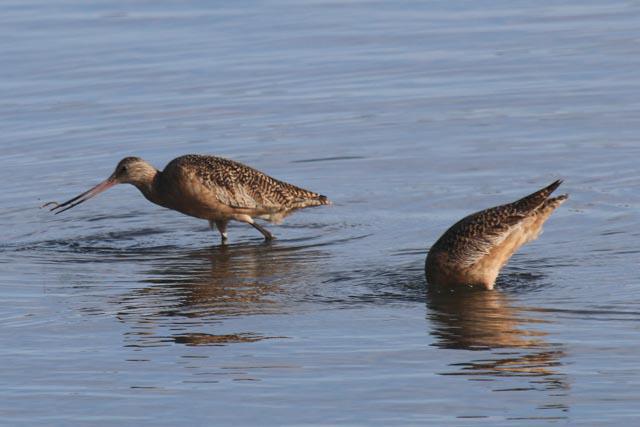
[(208, 187), (474, 249)]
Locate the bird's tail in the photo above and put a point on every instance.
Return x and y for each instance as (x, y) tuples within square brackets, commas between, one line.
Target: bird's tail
[(312, 200), (552, 203), (323, 200), (536, 199)]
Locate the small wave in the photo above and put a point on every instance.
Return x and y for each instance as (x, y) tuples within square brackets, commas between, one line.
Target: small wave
[(329, 159)]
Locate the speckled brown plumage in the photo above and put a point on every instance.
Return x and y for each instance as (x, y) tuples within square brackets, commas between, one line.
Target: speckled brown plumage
[(211, 188), (474, 249), (240, 186)]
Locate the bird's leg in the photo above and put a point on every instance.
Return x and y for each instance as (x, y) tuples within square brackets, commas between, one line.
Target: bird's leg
[(267, 235), (246, 218), (222, 228)]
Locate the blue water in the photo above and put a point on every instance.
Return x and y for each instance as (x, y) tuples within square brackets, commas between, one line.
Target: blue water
[(408, 116)]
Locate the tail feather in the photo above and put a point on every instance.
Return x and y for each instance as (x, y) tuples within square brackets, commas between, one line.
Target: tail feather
[(323, 200), (553, 202), (534, 200), (315, 201), (311, 200)]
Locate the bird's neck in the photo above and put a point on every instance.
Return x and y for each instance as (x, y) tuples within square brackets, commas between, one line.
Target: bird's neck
[(148, 186)]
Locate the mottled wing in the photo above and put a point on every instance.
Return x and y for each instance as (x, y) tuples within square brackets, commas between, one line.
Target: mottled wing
[(474, 236), (240, 186)]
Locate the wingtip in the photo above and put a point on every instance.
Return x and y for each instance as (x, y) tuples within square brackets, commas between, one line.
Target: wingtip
[(559, 181), (534, 200), (555, 184)]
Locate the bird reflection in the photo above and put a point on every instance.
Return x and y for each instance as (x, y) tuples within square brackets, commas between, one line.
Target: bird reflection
[(188, 292), (479, 320)]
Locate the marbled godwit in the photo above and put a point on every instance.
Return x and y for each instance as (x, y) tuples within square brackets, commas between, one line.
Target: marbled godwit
[(211, 188), (474, 249)]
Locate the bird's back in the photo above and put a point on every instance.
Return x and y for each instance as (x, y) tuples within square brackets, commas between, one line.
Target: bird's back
[(238, 186)]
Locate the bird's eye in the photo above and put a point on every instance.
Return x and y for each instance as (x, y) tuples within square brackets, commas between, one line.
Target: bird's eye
[(123, 169)]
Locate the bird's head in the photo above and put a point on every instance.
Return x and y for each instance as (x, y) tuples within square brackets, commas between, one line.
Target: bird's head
[(130, 170), (133, 170)]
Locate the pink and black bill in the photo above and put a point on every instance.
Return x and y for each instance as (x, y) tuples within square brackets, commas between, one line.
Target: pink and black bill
[(105, 185)]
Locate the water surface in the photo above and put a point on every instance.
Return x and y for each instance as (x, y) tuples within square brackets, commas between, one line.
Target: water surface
[(408, 116)]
